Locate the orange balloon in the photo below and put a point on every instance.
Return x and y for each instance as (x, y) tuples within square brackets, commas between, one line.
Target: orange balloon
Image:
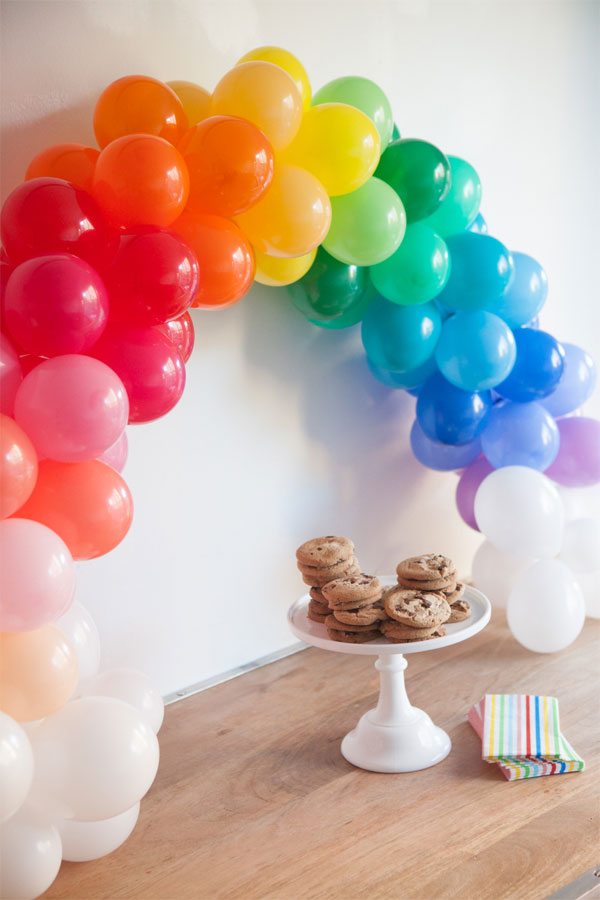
[(88, 504), (230, 162), (141, 180), (18, 466), (73, 162), (195, 100), (138, 104), (38, 672), (225, 258)]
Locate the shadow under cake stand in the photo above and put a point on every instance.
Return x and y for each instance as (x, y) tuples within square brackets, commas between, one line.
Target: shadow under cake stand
[(395, 736)]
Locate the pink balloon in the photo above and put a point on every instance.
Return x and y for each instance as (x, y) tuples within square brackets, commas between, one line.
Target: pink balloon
[(116, 456), (469, 481), (38, 575), (55, 304), (72, 407), (11, 375), (578, 461)]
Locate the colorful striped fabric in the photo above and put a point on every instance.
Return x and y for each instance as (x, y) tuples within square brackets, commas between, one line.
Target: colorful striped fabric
[(520, 725)]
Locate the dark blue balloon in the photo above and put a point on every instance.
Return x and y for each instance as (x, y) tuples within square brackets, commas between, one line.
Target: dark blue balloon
[(525, 295), (409, 381), (400, 338), (450, 415), (481, 271), (442, 457), (479, 225), (538, 367)]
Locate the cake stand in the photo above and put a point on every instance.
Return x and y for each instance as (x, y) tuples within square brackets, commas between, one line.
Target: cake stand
[(395, 736)]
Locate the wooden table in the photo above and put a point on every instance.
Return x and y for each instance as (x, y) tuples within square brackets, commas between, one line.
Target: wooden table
[(253, 800)]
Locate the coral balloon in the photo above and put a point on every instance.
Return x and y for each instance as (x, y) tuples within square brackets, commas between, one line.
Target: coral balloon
[(285, 60), (194, 99), (138, 104), (181, 333), (364, 95), (458, 210), (577, 463), (18, 466), (11, 375), (38, 673), (276, 272), (367, 225), (418, 172), (72, 162)]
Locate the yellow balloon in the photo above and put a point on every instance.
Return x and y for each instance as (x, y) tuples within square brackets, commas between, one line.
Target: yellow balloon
[(276, 272), (265, 95), (195, 100), (339, 144), (291, 218), (285, 60)]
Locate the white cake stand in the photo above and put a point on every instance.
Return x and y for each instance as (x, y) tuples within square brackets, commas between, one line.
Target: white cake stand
[(395, 736)]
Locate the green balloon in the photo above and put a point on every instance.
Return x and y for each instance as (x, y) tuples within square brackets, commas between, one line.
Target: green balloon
[(461, 204), (330, 289), (364, 95), (417, 271), (418, 172), (395, 134), (353, 314), (367, 225)]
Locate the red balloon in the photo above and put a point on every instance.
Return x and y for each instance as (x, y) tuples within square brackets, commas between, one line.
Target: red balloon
[(153, 277), (181, 333), (47, 215), (29, 362), (11, 375), (18, 466), (149, 366), (55, 304)]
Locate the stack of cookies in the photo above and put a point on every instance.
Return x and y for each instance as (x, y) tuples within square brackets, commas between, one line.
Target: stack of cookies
[(320, 561), (356, 608)]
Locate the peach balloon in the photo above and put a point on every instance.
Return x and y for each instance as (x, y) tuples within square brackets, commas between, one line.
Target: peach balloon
[(38, 673), (18, 466)]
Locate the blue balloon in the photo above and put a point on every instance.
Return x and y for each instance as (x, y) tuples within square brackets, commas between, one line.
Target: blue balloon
[(476, 350), (444, 312), (576, 384), (538, 367), (408, 381), (525, 295), (442, 457), (481, 270), (520, 434), (479, 226), (400, 338), (450, 415)]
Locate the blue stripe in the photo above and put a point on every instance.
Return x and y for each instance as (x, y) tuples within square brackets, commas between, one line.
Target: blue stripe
[(537, 725)]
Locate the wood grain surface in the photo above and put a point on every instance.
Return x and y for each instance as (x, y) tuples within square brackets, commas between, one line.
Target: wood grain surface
[(253, 800)]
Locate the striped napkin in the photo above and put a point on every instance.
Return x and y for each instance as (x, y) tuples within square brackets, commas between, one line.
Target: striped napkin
[(521, 733)]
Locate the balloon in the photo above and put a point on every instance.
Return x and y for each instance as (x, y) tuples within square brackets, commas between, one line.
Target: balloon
[(49, 215), (546, 609), (225, 259), (538, 367), (230, 162), (153, 278), (38, 672), (194, 99), (495, 573), (72, 162), (364, 95), (476, 350), (180, 332), (418, 172), (578, 461), (287, 61), (417, 271), (132, 687), (482, 269), (29, 362), (116, 456), (367, 225), (138, 104), (400, 338), (575, 386), (83, 841), (410, 380), (30, 854), (450, 415), (18, 466), (11, 375), (458, 210), (55, 304), (16, 767), (466, 489), (80, 629), (148, 364), (87, 504), (520, 434), (590, 586), (292, 218), (442, 457), (277, 272), (329, 288), (338, 144), (520, 511), (352, 315), (93, 760), (72, 407), (526, 294), (581, 545), (479, 226), (264, 94), (395, 134), (38, 575), (141, 180)]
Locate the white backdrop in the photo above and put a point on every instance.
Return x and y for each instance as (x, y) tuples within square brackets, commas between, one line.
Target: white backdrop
[(282, 434)]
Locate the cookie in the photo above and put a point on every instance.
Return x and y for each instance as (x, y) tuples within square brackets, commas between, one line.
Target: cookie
[(336, 625), (456, 594), (353, 588), (440, 631), (427, 569), (315, 616), (353, 604), (321, 608), (421, 609), (325, 551), (353, 637), (364, 615), (459, 611), (321, 577), (317, 596), (393, 629)]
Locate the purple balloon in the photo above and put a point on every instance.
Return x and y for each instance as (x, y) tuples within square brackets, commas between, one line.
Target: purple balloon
[(442, 457), (467, 486), (578, 460), (575, 386), (520, 434)]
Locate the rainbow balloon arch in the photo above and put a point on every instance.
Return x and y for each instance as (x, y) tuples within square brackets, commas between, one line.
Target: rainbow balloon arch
[(191, 197)]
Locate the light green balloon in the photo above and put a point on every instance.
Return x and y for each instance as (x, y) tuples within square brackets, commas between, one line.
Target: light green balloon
[(417, 271), (460, 206), (364, 95), (367, 225)]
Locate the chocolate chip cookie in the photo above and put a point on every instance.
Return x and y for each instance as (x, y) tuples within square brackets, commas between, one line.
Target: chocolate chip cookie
[(419, 609), (325, 551)]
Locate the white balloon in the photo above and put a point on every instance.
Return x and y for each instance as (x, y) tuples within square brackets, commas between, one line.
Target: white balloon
[(581, 545), (495, 573), (134, 688), (16, 766), (81, 630), (30, 854), (520, 511), (82, 841), (589, 582), (546, 610), (94, 759)]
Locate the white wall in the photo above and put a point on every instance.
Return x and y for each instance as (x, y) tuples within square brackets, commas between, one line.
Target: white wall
[(282, 434)]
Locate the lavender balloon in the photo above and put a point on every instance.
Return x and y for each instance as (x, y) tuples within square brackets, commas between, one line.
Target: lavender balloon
[(520, 434), (467, 486), (578, 461), (442, 457), (575, 386)]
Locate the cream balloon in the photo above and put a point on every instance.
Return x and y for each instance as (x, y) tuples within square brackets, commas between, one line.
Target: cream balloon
[(581, 545), (546, 609), (132, 687), (589, 582), (495, 573), (78, 625), (16, 766), (82, 841), (30, 854)]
